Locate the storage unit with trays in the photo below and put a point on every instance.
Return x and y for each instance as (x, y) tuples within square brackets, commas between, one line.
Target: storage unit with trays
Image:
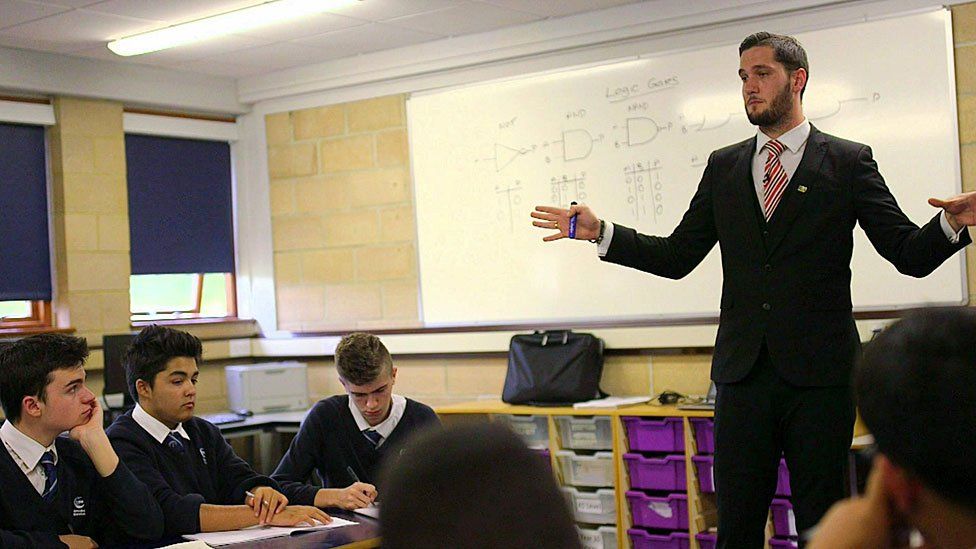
[(592, 459), (587, 474), (656, 480), (783, 525)]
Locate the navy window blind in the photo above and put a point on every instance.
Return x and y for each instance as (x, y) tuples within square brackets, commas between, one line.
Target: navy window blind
[(180, 205), (25, 253)]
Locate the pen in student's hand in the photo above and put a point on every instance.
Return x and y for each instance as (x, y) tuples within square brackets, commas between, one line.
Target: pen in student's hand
[(251, 495), (572, 222), (355, 477)]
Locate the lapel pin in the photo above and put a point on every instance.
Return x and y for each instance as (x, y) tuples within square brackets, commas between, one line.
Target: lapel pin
[(801, 189)]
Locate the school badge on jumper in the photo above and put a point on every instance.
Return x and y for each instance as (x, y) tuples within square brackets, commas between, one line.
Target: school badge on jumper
[(79, 507)]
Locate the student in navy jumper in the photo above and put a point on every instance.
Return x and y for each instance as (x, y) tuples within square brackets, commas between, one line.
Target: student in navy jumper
[(198, 480), (62, 490), (353, 432)]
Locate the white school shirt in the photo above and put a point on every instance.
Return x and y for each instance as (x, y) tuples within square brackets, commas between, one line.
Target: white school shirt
[(386, 427), (156, 429), (26, 453)]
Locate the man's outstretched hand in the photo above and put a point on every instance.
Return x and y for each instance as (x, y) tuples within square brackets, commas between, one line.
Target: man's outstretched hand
[(557, 219)]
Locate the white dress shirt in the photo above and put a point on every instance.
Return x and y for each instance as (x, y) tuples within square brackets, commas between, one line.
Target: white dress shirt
[(795, 141), (387, 425), (26, 453), (156, 429)]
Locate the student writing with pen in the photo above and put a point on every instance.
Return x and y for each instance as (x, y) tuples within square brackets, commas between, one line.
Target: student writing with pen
[(346, 438), (200, 483)]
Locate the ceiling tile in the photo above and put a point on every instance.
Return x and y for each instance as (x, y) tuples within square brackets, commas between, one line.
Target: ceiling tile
[(306, 26), (272, 56), (170, 11), (382, 10), (74, 30), (14, 12), (464, 19), (365, 39), (558, 8), (222, 68), (72, 3)]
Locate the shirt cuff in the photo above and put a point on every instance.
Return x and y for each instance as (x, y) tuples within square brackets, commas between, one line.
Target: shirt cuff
[(953, 236), (604, 246)]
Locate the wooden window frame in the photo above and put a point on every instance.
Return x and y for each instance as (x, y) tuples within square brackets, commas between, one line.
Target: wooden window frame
[(40, 319)]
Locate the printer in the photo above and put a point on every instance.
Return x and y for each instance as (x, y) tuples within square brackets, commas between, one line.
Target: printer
[(267, 387)]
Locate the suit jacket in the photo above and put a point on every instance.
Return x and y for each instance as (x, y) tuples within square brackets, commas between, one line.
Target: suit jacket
[(788, 282)]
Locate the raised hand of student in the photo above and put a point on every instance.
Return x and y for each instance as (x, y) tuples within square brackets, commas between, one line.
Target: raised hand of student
[(356, 496), (960, 209), (77, 542), (558, 219), (300, 515), (266, 503), (91, 435)]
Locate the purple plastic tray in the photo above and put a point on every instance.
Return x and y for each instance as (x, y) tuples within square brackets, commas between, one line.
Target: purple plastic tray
[(704, 434), (655, 435), (659, 473), (665, 512), (642, 539), (705, 466), (784, 524), (706, 541)]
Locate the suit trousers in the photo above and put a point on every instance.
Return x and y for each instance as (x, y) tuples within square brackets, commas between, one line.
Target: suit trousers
[(757, 420)]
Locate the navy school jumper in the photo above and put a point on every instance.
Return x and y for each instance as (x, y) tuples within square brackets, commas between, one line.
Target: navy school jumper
[(206, 471), (329, 441), (112, 509)]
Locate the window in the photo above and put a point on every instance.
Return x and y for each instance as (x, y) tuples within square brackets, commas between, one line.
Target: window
[(25, 262), (24, 315), (175, 296), (181, 228)]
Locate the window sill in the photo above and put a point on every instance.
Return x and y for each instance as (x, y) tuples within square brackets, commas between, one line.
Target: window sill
[(17, 331), (192, 321)]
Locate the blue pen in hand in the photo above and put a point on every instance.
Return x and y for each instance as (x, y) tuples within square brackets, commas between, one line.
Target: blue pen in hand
[(572, 222)]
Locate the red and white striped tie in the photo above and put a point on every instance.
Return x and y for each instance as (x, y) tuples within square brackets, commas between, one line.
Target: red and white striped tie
[(774, 179)]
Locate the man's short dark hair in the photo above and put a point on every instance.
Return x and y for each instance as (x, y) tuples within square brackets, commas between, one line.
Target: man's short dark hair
[(152, 348), (26, 366), (361, 358), (916, 389), (786, 50), (472, 486)]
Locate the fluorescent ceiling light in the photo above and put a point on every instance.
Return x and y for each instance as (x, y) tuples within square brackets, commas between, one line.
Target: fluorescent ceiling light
[(222, 24)]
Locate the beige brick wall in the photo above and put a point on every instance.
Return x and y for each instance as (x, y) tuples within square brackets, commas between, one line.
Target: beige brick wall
[(342, 217), (91, 221), (964, 39)]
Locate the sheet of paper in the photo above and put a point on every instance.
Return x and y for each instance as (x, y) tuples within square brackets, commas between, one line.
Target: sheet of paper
[(612, 402), (216, 539), (188, 545), (373, 510)]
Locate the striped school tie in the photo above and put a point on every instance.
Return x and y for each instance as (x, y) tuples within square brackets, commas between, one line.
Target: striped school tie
[(51, 476), (173, 440), (774, 178), (373, 437)]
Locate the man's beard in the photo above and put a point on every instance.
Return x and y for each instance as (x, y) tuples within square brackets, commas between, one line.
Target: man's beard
[(778, 110)]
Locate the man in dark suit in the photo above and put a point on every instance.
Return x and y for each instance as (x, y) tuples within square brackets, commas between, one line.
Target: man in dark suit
[(782, 205)]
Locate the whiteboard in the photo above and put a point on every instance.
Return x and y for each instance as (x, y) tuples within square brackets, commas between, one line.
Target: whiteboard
[(631, 140)]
